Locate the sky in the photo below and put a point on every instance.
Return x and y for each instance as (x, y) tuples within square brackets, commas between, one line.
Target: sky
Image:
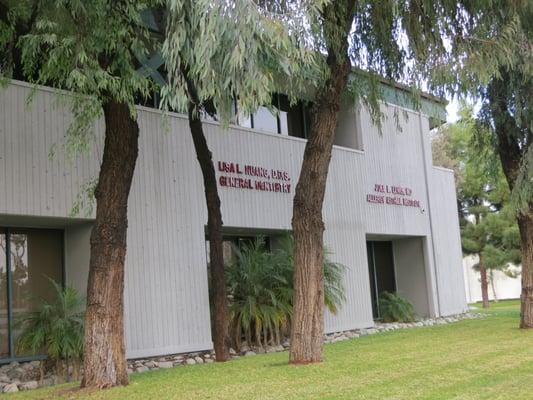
[(451, 109)]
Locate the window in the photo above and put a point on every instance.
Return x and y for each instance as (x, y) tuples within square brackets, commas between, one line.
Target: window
[(285, 119), (264, 120), (380, 270), (28, 259), (348, 132)]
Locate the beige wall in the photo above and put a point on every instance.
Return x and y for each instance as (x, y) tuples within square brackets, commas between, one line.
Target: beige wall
[(77, 250), (166, 296), (411, 277)]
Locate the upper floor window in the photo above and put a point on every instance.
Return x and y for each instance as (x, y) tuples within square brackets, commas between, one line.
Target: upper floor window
[(281, 118), (349, 132)]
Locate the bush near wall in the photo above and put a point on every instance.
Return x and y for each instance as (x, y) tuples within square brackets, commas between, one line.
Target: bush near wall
[(395, 308), (56, 329), (260, 289)]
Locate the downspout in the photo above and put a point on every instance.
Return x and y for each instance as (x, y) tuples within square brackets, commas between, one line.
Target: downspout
[(431, 229)]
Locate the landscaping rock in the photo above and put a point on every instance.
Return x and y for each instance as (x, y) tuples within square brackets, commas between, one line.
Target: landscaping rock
[(190, 361), (339, 339), (30, 385), (249, 353), (142, 369), (10, 388), (47, 382), (15, 373), (165, 364)]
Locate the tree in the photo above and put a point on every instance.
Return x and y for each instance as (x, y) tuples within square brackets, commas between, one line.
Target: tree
[(488, 230), (91, 49), (492, 62), (17, 19), (508, 110), (392, 39), (221, 56)]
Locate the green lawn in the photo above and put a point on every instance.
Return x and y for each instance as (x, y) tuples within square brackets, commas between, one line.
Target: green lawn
[(474, 359)]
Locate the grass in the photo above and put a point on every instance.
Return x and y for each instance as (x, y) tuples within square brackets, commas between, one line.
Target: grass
[(473, 359)]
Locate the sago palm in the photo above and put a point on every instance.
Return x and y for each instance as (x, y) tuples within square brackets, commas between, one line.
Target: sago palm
[(261, 287), (56, 328)]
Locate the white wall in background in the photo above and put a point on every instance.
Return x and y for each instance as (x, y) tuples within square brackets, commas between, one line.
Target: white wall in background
[(505, 286)]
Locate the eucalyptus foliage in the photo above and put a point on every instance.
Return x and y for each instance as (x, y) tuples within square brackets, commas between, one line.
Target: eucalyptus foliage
[(245, 50), (89, 48), (236, 53), (491, 59), (260, 286)]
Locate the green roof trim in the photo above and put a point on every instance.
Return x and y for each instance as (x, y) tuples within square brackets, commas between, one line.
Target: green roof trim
[(429, 105)]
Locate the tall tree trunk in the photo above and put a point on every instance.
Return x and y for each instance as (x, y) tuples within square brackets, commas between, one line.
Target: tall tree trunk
[(307, 331), (484, 282), (525, 224), (214, 222), (511, 152), (104, 354), (214, 234)]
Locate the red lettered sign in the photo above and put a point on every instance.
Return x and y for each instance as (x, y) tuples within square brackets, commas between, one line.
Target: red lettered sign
[(253, 177)]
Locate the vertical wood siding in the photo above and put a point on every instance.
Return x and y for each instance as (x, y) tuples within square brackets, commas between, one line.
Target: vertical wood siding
[(448, 251), (166, 293)]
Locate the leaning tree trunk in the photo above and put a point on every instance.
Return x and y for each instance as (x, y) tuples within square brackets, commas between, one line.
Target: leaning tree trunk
[(307, 331), (104, 354), (214, 234), (214, 221), (484, 282), (525, 225)]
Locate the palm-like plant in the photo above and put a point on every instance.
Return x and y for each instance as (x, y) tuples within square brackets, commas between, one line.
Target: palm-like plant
[(260, 284), (394, 308), (56, 329)]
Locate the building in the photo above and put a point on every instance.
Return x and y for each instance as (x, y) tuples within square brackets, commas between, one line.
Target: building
[(390, 215)]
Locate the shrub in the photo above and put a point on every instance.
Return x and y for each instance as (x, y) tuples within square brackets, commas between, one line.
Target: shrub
[(394, 308), (260, 288), (57, 329)]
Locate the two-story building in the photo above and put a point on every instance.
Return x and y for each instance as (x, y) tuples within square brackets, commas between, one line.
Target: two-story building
[(390, 215)]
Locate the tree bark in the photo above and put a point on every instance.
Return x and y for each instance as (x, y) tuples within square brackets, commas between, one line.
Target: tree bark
[(509, 135), (525, 225), (214, 223), (214, 234), (104, 353), (493, 286), (307, 331), (484, 282)]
